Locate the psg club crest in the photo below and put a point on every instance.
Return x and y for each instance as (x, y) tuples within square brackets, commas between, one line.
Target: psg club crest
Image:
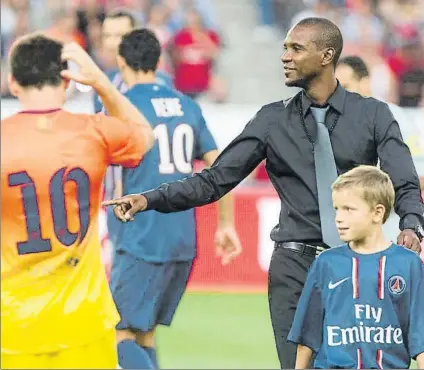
[(396, 284)]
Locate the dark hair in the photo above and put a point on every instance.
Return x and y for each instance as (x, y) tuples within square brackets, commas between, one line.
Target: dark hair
[(140, 49), (35, 61), (121, 13), (329, 35), (357, 64)]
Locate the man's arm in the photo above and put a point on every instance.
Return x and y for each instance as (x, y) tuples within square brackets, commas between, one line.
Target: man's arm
[(230, 168), (116, 104), (240, 157), (396, 160), (226, 206)]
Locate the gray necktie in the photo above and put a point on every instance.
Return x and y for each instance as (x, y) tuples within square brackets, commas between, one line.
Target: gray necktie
[(326, 174)]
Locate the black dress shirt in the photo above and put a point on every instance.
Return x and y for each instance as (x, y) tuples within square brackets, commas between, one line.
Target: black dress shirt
[(363, 130)]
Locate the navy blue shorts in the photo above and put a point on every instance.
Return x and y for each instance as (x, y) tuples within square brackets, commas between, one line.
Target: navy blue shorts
[(147, 294)]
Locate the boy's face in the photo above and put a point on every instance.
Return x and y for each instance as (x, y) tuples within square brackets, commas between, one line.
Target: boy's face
[(355, 218)]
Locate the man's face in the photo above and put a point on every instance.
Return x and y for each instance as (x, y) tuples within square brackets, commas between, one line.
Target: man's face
[(348, 79), (112, 31), (302, 59)]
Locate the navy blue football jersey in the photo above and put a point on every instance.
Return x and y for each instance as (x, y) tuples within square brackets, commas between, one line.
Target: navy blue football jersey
[(162, 78), (361, 311), (181, 137)]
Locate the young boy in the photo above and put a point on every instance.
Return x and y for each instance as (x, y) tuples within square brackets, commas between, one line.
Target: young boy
[(362, 305)]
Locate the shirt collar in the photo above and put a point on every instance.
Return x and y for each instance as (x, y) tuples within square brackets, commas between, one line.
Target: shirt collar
[(336, 100)]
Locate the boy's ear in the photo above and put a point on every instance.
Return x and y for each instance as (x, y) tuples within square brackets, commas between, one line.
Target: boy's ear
[(379, 212)]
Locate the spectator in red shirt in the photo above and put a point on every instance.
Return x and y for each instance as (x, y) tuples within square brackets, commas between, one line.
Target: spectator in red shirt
[(407, 64), (194, 50)]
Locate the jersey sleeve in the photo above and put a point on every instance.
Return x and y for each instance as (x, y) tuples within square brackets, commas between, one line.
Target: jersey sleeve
[(124, 140), (416, 312), (307, 327), (205, 141), (163, 78)]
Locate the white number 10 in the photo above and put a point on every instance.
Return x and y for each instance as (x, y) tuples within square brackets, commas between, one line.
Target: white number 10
[(181, 154)]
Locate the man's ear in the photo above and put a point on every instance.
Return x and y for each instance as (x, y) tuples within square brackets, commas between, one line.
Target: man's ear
[(364, 86), (14, 87), (66, 83), (328, 56)]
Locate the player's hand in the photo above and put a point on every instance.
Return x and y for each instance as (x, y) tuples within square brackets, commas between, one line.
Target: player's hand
[(127, 206), (409, 240), (228, 244), (89, 73)]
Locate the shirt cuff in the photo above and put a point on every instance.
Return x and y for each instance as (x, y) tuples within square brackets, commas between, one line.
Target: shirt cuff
[(411, 221), (153, 199)]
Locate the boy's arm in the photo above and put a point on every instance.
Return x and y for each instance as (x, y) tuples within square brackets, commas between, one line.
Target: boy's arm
[(303, 357), (420, 361)]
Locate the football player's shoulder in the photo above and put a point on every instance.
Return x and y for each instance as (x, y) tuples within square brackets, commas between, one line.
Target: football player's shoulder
[(405, 254), (83, 119), (189, 105), (187, 100), (11, 128), (6, 122)]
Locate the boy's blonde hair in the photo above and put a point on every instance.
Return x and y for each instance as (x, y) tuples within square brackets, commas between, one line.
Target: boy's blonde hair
[(376, 186)]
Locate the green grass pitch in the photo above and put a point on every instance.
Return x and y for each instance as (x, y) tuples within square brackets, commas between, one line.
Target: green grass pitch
[(219, 331)]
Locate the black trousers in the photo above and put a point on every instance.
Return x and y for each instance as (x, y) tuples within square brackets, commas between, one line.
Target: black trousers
[(286, 278)]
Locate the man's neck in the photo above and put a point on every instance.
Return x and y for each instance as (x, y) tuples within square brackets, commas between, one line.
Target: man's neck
[(140, 78), (320, 90), (47, 98)]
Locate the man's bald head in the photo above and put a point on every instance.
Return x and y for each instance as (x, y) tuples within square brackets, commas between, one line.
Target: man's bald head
[(328, 35)]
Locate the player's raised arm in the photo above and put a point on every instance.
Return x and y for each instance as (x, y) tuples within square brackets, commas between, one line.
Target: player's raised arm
[(231, 167), (115, 103)]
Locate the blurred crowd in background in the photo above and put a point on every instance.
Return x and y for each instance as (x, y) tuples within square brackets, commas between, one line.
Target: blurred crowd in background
[(81, 21), (388, 34)]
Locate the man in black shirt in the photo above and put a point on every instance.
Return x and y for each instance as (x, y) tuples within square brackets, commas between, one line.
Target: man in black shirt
[(287, 135)]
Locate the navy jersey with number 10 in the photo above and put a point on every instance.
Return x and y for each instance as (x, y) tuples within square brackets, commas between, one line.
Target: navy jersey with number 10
[(181, 137), (362, 311)]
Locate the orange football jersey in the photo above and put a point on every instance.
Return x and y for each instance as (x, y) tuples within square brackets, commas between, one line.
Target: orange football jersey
[(54, 292)]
